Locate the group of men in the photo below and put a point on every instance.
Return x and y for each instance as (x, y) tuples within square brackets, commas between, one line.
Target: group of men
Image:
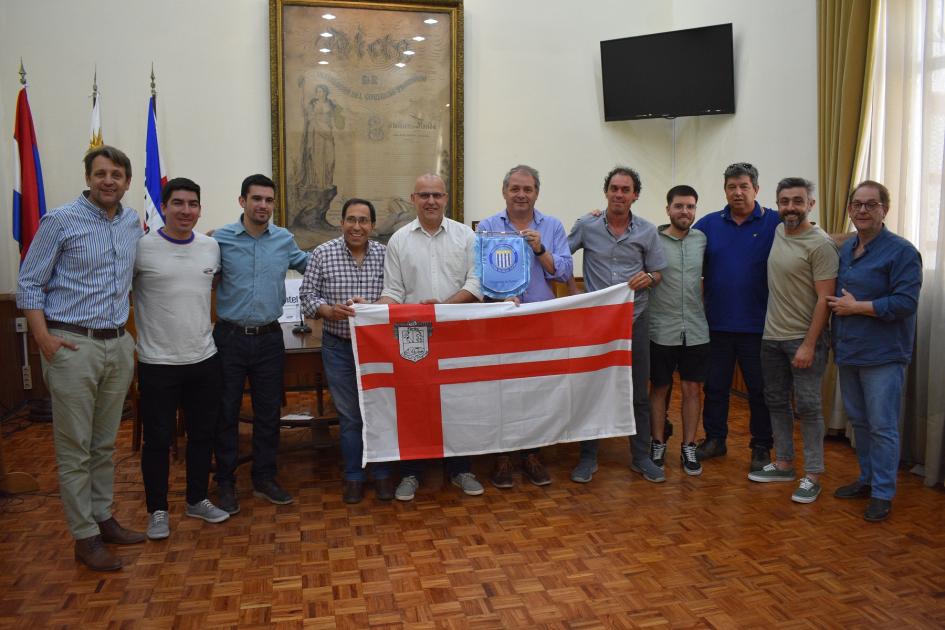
[(89, 254)]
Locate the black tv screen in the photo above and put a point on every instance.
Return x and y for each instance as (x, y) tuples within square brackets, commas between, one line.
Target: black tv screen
[(666, 75)]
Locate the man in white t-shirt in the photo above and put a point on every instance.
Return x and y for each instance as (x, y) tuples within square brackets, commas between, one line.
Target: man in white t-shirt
[(178, 365)]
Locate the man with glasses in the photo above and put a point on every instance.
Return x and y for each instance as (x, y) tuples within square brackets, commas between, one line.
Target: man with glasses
[(735, 270), (342, 271), (431, 260), (874, 315)]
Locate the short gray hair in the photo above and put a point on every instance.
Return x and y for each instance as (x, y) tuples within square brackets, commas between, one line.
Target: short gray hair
[(741, 168), (521, 168), (795, 182)]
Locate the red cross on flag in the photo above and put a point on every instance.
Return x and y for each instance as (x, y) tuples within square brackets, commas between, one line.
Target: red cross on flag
[(465, 379)]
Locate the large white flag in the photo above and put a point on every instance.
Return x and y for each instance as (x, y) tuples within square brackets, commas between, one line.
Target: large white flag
[(466, 379)]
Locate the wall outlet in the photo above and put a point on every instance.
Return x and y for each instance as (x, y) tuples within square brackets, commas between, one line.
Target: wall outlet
[(21, 326), (27, 377)]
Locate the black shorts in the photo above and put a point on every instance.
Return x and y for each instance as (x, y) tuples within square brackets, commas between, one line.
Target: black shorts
[(691, 361)]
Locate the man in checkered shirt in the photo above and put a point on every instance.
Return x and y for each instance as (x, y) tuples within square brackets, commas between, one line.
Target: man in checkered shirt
[(343, 269)]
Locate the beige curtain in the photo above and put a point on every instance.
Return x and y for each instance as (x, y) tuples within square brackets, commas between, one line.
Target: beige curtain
[(845, 32), (907, 153)]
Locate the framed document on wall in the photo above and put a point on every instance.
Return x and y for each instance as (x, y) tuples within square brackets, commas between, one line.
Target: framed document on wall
[(366, 96)]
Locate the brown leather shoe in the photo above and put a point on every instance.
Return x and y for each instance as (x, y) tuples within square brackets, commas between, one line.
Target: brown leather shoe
[(384, 489), (535, 471), (502, 475), (93, 554), (114, 533), (353, 491)]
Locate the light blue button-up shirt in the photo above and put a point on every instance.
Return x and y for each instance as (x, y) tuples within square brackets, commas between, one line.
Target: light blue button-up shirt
[(79, 266), (252, 285)]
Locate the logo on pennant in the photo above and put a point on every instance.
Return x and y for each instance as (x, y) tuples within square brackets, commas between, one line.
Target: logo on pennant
[(414, 338), (503, 259)]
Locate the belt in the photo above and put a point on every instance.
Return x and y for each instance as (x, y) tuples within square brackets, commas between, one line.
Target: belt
[(251, 330), (94, 333)]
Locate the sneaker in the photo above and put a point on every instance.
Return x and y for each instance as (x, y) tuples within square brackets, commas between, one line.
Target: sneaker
[(271, 491), (657, 452), (158, 527), (807, 491), (407, 488), (650, 471), (502, 475), (709, 448), (468, 484), (206, 511), (877, 510), (855, 490), (760, 457), (584, 471), (771, 473), (227, 499), (689, 461), (535, 471)]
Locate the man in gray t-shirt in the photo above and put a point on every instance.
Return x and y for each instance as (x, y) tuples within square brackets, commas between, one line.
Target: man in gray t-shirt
[(622, 247)]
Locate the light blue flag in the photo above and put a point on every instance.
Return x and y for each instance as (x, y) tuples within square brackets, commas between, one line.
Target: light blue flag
[(504, 262)]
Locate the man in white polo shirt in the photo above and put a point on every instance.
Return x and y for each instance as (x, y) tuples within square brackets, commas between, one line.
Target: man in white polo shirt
[(178, 365)]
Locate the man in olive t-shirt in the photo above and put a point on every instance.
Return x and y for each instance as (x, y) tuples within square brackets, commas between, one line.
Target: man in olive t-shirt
[(802, 272)]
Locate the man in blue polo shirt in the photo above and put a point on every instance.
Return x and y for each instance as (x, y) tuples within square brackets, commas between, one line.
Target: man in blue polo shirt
[(739, 238), (255, 255)]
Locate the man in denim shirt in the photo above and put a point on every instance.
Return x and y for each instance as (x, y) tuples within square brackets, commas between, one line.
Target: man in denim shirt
[(873, 335)]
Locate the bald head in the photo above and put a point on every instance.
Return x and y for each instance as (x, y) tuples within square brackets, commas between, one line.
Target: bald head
[(429, 198)]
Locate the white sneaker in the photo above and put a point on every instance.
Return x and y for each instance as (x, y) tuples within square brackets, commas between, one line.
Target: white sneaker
[(407, 488), (158, 527), (206, 511)]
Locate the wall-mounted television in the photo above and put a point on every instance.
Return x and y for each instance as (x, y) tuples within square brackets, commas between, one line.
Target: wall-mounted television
[(666, 75)]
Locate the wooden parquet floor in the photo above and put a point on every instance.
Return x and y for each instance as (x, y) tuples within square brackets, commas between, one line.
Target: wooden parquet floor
[(715, 551)]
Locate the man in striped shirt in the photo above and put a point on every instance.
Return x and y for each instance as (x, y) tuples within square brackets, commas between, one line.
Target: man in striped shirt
[(342, 271), (73, 288)]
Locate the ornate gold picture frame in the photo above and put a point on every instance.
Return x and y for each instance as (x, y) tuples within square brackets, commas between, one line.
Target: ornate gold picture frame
[(366, 96)]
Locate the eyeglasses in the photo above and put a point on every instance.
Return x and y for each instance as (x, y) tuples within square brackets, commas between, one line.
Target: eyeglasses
[(427, 195), (353, 220), (856, 206)]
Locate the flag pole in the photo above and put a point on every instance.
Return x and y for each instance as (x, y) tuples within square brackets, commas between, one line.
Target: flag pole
[(14, 482)]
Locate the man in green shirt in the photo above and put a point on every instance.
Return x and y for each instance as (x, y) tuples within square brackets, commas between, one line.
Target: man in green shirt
[(679, 333)]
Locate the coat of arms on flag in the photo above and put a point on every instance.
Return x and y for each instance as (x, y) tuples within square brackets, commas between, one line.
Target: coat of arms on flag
[(465, 379)]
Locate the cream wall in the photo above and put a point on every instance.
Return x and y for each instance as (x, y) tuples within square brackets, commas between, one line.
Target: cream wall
[(532, 95)]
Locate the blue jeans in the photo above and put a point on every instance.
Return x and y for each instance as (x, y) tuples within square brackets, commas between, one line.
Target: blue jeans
[(639, 443), (724, 349), (780, 380), (872, 397), (261, 358), (343, 385)]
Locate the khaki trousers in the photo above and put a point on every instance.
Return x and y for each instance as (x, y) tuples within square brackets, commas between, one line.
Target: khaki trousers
[(88, 388)]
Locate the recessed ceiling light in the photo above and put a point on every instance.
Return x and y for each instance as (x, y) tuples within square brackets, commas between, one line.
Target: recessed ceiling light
[(419, 38), (328, 16), (430, 21), (323, 63), (324, 50), (326, 34), (400, 64), (409, 53)]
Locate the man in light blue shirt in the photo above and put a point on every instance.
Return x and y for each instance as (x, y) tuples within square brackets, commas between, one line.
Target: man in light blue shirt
[(255, 255), (73, 289), (551, 261), (620, 246)]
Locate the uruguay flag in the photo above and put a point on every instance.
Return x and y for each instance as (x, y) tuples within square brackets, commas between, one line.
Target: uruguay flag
[(29, 200), (154, 175)]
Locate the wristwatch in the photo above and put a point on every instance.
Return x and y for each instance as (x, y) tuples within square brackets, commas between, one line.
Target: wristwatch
[(651, 277), (541, 251)]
